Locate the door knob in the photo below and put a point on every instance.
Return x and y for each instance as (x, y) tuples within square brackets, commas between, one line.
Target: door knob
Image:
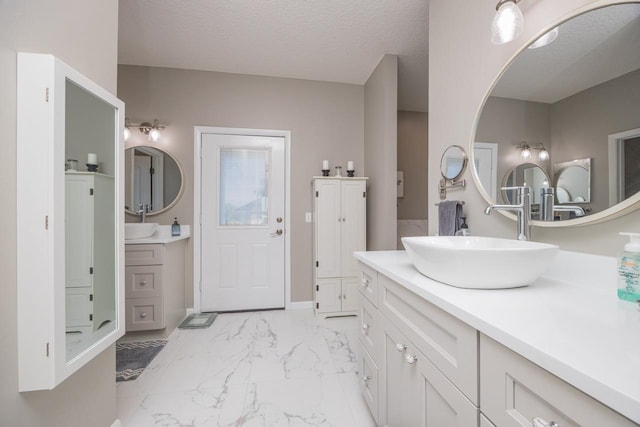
[(277, 233)]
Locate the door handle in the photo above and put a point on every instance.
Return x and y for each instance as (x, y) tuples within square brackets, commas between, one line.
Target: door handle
[(277, 233)]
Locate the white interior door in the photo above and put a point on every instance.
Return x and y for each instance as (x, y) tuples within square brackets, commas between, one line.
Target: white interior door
[(242, 215), (485, 156)]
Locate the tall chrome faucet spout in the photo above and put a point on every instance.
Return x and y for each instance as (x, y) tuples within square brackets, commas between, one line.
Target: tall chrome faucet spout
[(522, 210)]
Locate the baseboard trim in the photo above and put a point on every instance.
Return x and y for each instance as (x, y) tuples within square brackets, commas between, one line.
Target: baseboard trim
[(190, 311), (300, 305)]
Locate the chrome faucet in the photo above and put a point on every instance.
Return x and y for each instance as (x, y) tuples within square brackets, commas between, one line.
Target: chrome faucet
[(142, 211), (548, 209), (522, 209)]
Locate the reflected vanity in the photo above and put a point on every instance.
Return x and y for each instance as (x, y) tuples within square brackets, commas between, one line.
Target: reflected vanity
[(69, 251), (586, 116)]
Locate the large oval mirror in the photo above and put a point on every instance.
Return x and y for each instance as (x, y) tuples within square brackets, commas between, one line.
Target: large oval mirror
[(153, 180), (575, 98)]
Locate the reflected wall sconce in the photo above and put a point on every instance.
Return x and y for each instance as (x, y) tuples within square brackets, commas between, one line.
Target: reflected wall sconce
[(152, 130), (508, 23), (526, 151)]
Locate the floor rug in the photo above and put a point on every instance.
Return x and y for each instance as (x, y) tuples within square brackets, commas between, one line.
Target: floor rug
[(133, 357), (198, 321)]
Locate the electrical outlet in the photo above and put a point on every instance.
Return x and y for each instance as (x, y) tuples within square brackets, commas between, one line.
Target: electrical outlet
[(307, 217)]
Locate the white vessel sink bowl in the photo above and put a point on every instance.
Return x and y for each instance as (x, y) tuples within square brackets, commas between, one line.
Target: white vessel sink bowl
[(479, 262), (139, 230)]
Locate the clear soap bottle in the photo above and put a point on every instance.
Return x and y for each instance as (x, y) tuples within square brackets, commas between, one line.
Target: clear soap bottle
[(175, 227), (629, 269), (464, 228)]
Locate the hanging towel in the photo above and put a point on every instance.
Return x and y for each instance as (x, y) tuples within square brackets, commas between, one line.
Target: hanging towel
[(449, 214)]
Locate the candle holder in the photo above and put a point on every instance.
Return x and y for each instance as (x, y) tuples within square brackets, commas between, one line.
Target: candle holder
[(338, 171), (351, 173), (325, 172), (92, 168)]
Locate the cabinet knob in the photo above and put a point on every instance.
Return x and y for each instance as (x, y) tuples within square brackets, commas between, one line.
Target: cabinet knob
[(365, 327), (143, 283), (401, 347), (143, 315), (539, 422), (344, 296), (410, 359), (365, 282), (366, 378)]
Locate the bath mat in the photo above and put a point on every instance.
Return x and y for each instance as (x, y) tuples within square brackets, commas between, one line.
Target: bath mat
[(198, 321), (133, 357)]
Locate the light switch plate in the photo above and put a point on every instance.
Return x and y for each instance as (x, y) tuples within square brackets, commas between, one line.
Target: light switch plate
[(307, 217)]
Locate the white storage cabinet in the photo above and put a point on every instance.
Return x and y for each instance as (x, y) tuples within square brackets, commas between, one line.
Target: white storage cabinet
[(340, 226)]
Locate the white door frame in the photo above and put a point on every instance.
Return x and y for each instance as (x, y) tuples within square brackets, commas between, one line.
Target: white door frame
[(197, 219)]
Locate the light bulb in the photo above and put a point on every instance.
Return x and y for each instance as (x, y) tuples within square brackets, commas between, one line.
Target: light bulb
[(543, 154), (545, 39), (127, 133), (507, 24), (154, 135), (525, 153)]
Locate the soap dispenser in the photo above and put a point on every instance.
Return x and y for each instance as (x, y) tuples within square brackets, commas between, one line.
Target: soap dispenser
[(629, 269), (175, 227), (464, 228)]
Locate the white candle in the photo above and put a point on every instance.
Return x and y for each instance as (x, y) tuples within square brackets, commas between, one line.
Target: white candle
[(325, 165), (349, 165), (92, 159)]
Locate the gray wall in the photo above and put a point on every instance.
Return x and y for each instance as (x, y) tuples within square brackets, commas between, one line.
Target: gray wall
[(413, 157), (325, 120), (381, 152), (84, 35), (462, 67)]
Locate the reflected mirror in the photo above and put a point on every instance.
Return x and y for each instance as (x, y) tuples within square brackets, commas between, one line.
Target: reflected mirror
[(453, 162), (527, 175), (153, 180), (578, 98), (90, 219)]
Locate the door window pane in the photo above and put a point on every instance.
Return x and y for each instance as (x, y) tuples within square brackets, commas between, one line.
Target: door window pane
[(244, 186)]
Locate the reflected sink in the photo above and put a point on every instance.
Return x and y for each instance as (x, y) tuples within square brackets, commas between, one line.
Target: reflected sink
[(139, 230), (479, 262)]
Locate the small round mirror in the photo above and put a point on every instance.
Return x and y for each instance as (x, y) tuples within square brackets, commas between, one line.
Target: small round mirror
[(153, 180), (453, 162)]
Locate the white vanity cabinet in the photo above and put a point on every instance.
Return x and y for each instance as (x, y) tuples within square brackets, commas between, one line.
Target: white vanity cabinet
[(339, 230), (89, 293), (154, 285)]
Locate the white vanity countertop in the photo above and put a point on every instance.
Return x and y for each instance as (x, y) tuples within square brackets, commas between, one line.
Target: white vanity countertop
[(162, 235), (570, 321)]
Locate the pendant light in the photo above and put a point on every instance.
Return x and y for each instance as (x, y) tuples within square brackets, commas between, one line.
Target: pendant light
[(508, 22)]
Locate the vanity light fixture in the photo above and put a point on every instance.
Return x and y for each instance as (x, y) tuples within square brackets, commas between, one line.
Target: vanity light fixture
[(508, 22), (545, 39), (152, 130), (526, 151)]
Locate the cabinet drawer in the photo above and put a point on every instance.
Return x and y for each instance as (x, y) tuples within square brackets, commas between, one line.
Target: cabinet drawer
[(370, 331), (144, 313), (144, 254), (449, 343), (368, 379), (143, 281), (515, 390), (369, 283)]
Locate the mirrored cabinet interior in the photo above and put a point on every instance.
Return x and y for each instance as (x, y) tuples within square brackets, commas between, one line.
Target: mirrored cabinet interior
[(70, 213)]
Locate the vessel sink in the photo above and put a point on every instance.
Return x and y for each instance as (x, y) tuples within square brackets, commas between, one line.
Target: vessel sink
[(139, 230), (479, 262)]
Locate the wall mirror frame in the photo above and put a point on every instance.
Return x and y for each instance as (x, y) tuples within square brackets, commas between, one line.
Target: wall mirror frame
[(453, 164), (52, 124), (153, 177), (617, 48)]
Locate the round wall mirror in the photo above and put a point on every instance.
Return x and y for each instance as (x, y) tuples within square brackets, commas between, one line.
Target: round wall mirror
[(572, 99), (153, 180), (527, 175), (453, 162)]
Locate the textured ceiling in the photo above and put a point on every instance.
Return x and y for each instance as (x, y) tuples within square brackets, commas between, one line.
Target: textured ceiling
[(590, 49), (327, 40)]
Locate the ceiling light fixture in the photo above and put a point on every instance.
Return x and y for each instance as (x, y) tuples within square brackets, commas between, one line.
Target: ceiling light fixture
[(545, 39), (526, 151), (508, 22), (152, 130)]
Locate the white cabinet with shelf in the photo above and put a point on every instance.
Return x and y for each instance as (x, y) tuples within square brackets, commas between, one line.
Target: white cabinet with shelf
[(339, 230)]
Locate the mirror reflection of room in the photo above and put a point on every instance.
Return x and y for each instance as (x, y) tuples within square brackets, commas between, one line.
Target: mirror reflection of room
[(557, 99)]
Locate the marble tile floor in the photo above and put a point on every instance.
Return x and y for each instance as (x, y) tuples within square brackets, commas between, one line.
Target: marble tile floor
[(268, 368)]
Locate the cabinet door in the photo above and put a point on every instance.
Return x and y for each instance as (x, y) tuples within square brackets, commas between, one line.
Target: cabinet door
[(354, 226), (350, 291), (327, 228), (78, 230), (79, 308), (328, 295)]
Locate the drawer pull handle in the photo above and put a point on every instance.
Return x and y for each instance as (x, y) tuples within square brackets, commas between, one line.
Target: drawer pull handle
[(143, 283), (366, 379), (365, 327), (411, 359), (143, 315), (401, 347), (539, 422), (365, 282)]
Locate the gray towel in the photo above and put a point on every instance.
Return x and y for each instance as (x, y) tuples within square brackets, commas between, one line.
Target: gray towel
[(449, 213)]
